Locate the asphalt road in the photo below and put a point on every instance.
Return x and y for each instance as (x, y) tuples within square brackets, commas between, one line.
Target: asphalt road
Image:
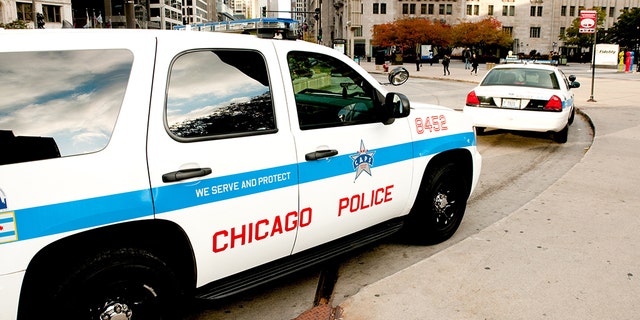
[(517, 166)]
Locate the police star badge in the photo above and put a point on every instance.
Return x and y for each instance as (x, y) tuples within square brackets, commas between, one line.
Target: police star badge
[(362, 161)]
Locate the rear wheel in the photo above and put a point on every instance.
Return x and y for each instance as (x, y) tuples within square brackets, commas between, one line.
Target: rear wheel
[(439, 206), (118, 284), (562, 135)]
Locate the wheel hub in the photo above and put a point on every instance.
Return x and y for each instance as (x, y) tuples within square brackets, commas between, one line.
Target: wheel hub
[(441, 202), (116, 311)]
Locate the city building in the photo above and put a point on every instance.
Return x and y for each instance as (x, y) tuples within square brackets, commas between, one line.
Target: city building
[(56, 12), (533, 24)]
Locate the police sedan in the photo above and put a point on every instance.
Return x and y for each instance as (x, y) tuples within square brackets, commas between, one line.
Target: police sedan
[(525, 96)]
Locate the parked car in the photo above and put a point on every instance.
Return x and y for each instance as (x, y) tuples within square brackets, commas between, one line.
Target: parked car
[(141, 167), (527, 97)]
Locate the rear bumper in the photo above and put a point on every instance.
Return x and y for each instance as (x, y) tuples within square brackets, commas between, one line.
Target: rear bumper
[(539, 121)]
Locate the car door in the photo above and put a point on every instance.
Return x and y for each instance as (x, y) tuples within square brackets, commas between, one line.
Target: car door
[(221, 157), (565, 87), (355, 171)]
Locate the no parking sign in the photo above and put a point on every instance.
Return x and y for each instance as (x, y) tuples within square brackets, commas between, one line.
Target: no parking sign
[(588, 20)]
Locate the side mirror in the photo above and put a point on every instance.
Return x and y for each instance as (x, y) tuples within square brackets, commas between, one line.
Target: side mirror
[(396, 105), (572, 78), (575, 84), (398, 76)]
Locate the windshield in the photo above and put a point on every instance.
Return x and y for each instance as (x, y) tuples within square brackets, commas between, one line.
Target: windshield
[(526, 77)]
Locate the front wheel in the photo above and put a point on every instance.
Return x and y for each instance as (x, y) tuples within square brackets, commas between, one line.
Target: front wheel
[(439, 206)]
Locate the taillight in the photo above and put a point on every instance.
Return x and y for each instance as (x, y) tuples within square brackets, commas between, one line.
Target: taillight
[(554, 104), (472, 99)]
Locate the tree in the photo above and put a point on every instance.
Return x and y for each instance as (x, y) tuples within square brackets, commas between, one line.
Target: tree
[(626, 31), (573, 37), (16, 24), (409, 32), (485, 33)]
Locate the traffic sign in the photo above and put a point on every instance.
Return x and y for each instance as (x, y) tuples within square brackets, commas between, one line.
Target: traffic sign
[(588, 21)]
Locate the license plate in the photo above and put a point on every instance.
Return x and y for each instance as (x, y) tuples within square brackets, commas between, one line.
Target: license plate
[(511, 103)]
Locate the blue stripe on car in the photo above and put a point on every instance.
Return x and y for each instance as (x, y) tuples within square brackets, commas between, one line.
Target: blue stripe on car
[(74, 215)]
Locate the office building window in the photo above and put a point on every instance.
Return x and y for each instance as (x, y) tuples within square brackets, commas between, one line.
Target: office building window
[(534, 32), (383, 8), (357, 32), (449, 9), (612, 11), (536, 11), (376, 8), (441, 9), (572, 11), (423, 8), (430, 8), (405, 8), (490, 10), (563, 11)]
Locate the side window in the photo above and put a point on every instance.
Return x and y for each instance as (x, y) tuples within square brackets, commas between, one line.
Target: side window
[(62, 103), (216, 94), (330, 93)]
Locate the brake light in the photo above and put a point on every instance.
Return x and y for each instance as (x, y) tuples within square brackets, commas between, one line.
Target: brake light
[(472, 99), (554, 104)]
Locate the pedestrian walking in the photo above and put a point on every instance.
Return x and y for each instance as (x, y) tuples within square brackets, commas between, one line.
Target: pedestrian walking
[(418, 62), (474, 64), (445, 63), (466, 55)]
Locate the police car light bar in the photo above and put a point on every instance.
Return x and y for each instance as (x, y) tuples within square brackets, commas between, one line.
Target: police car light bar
[(279, 28)]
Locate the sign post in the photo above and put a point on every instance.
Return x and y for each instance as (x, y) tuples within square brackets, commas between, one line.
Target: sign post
[(589, 24)]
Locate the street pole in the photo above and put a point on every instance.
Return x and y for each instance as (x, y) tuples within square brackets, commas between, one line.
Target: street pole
[(33, 14), (593, 65)]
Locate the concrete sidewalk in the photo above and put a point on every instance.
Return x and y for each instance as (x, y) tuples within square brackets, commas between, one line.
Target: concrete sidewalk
[(571, 253)]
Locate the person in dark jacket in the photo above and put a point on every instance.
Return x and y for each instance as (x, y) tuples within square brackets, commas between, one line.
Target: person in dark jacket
[(474, 64), (445, 63)]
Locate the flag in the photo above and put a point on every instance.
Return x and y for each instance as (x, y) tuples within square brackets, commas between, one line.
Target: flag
[(88, 25)]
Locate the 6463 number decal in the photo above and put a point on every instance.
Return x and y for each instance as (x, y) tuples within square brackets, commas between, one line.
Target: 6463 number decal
[(431, 124)]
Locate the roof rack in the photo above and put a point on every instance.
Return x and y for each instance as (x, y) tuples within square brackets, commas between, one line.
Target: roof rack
[(278, 28)]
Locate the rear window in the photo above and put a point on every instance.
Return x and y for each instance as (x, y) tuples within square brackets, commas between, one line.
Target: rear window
[(215, 94), (60, 103), (522, 77)]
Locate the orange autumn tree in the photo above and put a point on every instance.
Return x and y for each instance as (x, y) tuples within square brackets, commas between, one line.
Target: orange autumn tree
[(410, 32), (484, 33)]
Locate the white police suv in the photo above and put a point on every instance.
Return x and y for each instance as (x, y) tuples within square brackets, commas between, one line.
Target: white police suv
[(141, 167)]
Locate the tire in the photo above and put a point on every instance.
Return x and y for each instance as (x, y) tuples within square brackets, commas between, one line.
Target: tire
[(128, 282), (439, 206), (572, 116), (562, 135)]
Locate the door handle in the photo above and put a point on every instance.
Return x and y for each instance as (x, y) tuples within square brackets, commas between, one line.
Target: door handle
[(185, 174), (320, 154)]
